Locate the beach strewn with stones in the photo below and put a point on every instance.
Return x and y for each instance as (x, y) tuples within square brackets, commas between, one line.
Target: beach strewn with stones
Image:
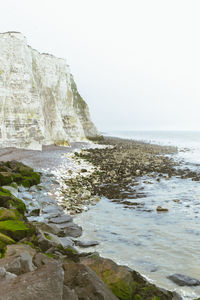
[(68, 182), (48, 242)]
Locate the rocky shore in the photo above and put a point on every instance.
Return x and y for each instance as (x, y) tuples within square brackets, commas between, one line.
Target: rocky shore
[(39, 242), (114, 171)]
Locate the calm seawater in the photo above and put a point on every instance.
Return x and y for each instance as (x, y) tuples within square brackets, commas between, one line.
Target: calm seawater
[(156, 245)]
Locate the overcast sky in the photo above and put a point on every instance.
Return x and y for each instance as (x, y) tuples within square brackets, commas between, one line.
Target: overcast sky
[(136, 63)]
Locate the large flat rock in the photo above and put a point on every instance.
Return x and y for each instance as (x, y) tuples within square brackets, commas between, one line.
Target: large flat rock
[(46, 283)]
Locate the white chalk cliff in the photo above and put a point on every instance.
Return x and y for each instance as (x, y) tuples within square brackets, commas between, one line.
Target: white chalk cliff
[(39, 100)]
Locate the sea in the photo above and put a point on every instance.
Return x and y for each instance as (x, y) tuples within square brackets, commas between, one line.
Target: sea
[(155, 244)]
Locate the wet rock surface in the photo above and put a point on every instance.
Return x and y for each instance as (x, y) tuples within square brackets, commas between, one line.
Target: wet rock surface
[(184, 280), (124, 282)]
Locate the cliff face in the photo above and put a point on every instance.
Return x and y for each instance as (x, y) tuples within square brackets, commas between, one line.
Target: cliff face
[(39, 100)]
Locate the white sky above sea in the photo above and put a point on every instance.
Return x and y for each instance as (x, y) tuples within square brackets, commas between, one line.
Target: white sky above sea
[(135, 62)]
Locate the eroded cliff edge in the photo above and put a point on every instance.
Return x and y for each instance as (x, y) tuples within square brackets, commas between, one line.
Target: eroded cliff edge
[(39, 100)]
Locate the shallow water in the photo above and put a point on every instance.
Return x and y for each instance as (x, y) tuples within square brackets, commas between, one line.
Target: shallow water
[(155, 244)]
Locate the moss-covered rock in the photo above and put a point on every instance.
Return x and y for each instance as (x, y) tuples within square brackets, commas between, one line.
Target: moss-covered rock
[(124, 283), (4, 241), (14, 171), (15, 229), (6, 178), (9, 214), (7, 200)]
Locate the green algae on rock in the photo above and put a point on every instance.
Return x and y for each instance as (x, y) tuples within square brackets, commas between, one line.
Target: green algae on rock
[(16, 172), (15, 229), (9, 214), (4, 241), (7, 200), (125, 283)]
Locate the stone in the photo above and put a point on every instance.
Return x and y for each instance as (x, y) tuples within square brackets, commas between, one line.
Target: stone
[(45, 283), (13, 190), (85, 244), (26, 196), (183, 280), (17, 249), (86, 194), (71, 229), (35, 212), (65, 242), (176, 200), (50, 228), (36, 219), (7, 200), (6, 275), (18, 259), (15, 229), (44, 242), (8, 214), (21, 264), (85, 283), (22, 189), (33, 189), (62, 219), (41, 259), (69, 294), (41, 102), (161, 209), (52, 209), (4, 241)]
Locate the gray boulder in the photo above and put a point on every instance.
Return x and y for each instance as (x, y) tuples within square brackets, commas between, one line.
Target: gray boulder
[(6, 275), (44, 242), (184, 280), (65, 242), (45, 283), (21, 264), (85, 244), (62, 219), (71, 229), (69, 294)]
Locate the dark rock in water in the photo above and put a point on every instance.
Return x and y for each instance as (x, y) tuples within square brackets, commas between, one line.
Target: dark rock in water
[(85, 244), (62, 219), (85, 283), (182, 280), (161, 209)]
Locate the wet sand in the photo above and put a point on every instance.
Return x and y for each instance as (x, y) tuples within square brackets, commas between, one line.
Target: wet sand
[(50, 157)]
